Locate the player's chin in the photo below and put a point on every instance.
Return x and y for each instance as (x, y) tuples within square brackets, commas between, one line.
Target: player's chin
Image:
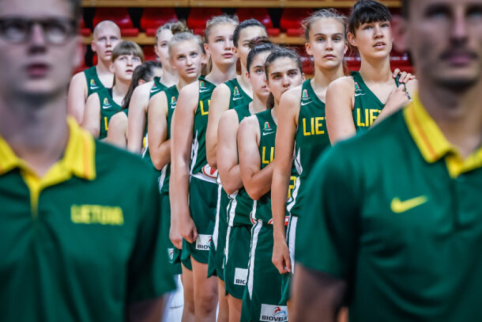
[(458, 80)]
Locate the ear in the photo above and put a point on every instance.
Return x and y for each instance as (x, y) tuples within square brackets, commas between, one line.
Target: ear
[(308, 49), (206, 49), (235, 51), (346, 48), (93, 45), (156, 50), (111, 67), (303, 76), (399, 33), (247, 75), (352, 39)]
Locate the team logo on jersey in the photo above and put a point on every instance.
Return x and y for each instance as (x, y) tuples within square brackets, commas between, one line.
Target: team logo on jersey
[(236, 94), (305, 94), (358, 90), (266, 126), (173, 102), (267, 129), (210, 172), (93, 85), (203, 242), (106, 103), (273, 313), (305, 98), (240, 276)]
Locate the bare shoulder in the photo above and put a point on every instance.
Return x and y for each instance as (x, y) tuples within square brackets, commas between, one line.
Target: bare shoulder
[(222, 89), (249, 123), (144, 89), (292, 98), (79, 79), (93, 99), (119, 118), (189, 94), (229, 117), (342, 83)]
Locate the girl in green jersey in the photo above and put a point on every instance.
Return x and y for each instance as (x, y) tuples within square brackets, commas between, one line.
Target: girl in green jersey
[(193, 182), (256, 150), (356, 102), (240, 204), (302, 127), (144, 73), (140, 99), (101, 106)]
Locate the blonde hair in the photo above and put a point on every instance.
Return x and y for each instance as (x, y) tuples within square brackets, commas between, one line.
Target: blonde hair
[(184, 36), (174, 27), (218, 20), (323, 13)]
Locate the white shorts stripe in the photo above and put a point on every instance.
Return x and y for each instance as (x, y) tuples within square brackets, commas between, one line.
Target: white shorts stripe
[(254, 243)]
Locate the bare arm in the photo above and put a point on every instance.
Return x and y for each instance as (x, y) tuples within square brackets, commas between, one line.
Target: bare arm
[(117, 134), (159, 146), (91, 120), (257, 182), (285, 140), (137, 117), (228, 165), (147, 311), (77, 97), (182, 127), (339, 106), (316, 296), (219, 104)]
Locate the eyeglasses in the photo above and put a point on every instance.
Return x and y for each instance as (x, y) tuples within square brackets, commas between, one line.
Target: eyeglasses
[(18, 30)]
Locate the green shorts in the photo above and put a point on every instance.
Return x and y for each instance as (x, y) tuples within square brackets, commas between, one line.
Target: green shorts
[(236, 260), (202, 205), (290, 240), (262, 294), (177, 259), (218, 242), (166, 216)]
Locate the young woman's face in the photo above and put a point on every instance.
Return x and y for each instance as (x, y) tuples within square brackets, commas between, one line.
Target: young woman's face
[(327, 43), (220, 44), (257, 75), (162, 48), (186, 58), (123, 67), (245, 36), (373, 39), (283, 74)]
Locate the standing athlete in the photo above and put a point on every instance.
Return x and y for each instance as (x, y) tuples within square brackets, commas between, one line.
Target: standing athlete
[(302, 128), (106, 36), (104, 104), (238, 235), (354, 103), (140, 99), (233, 93), (186, 54), (396, 211), (72, 249), (256, 150), (193, 182)]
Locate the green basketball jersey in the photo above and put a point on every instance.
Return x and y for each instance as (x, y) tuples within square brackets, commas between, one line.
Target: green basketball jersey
[(367, 105), (199, 164), (241, 204), (238, 96), (157, 87), (93, 81), (107, 109), (311, 139)]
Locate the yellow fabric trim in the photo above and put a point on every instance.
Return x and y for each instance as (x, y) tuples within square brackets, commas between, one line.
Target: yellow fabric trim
[(432, 143), (78, 160)]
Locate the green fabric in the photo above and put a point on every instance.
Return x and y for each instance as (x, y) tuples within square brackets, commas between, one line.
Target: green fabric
[(311, 140), (53, 269), (422, 264), (218, 242), (199, 163), (367, 105), (238, 96), (93, 82), (157, 87), (166, 216), (108, 108), (236, 260)]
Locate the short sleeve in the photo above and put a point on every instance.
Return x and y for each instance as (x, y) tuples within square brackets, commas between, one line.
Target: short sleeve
[(150, 273), (327, 232)]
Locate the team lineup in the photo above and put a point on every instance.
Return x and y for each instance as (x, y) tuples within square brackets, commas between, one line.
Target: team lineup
[(257, 194)]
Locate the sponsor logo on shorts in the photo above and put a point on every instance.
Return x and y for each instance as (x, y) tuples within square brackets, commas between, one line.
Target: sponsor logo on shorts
[(203, 242), (170, 252), (210, 172), (240, 276), (287, 220), (273, 313)]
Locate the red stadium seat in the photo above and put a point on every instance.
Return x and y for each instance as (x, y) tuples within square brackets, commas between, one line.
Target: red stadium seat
[(149, 53), (84, 31), (307, 65), (118, 15), (198, 18), (153, 18), (291, 21), (262, 16)]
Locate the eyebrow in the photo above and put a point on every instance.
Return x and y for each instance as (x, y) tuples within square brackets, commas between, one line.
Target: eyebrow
[(322, 34)]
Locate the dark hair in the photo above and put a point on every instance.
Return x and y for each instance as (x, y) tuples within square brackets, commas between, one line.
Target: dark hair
[(243, 25), (275, 55), (145, 71), (405, 7), (366, 11), (258, 45), (127, 48), (323, 13)]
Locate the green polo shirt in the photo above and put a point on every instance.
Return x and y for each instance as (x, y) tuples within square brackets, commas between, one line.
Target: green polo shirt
[(82, 242), (395, 212)]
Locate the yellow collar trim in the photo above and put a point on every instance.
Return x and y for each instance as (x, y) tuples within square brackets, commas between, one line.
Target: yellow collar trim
[(79, 156), (432, 143)]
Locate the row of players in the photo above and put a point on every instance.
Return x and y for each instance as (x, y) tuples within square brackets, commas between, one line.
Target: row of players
[(234, 205)]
